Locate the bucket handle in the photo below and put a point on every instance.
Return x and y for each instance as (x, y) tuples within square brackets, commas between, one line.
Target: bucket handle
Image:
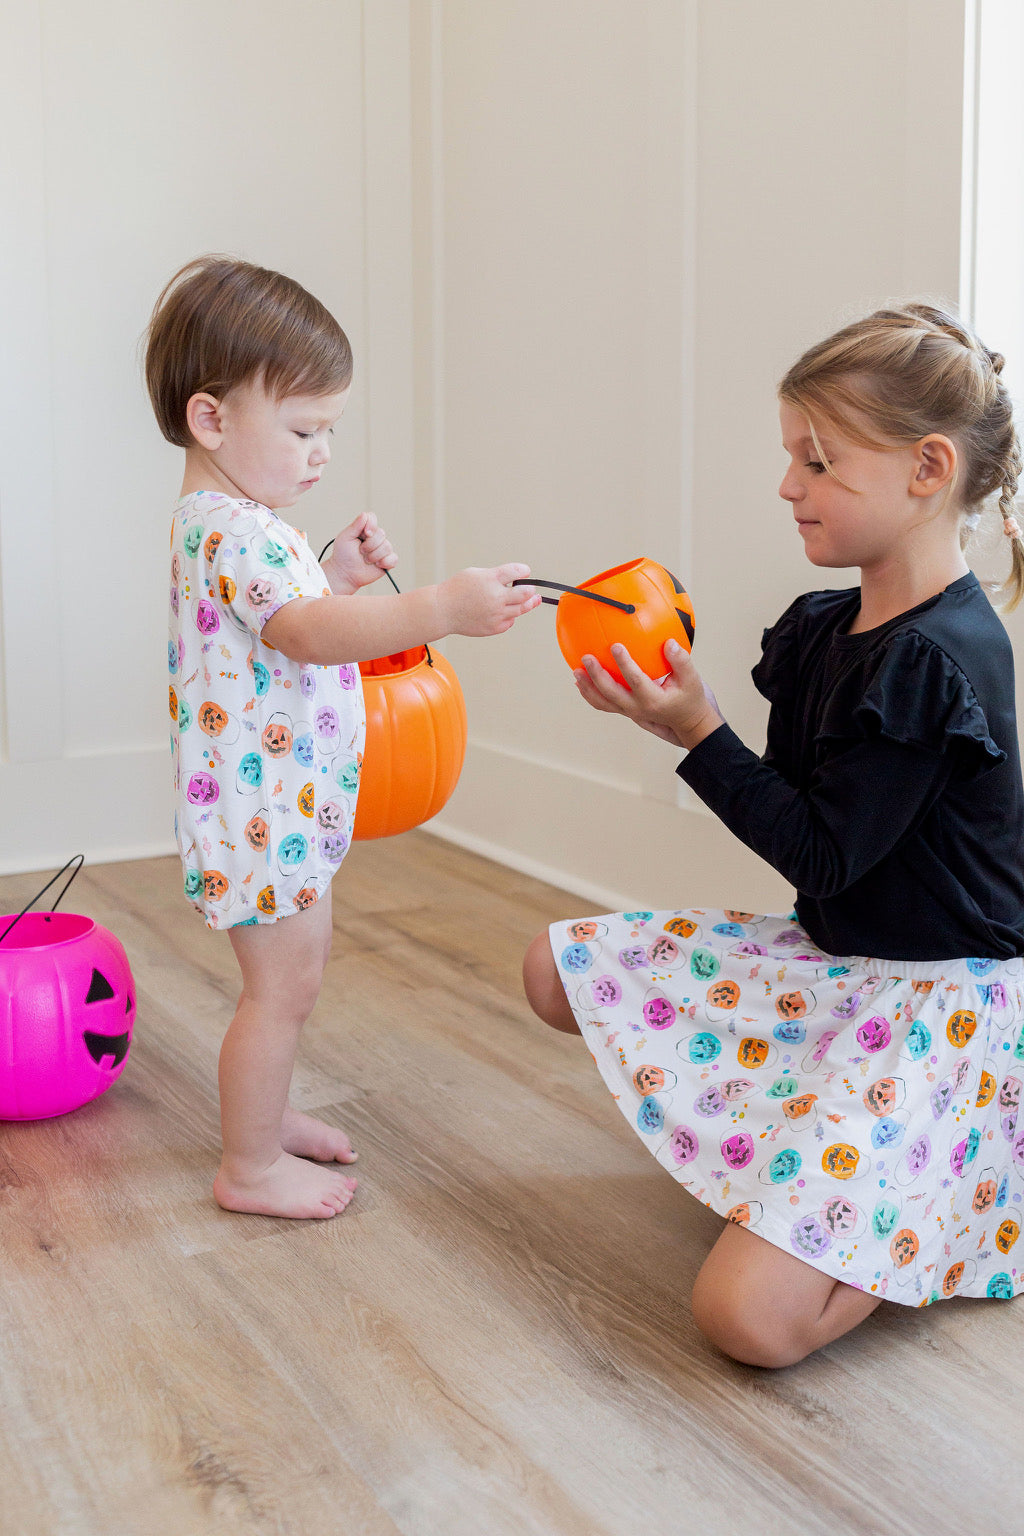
[(394, 583), (559, 586), (77, 861)]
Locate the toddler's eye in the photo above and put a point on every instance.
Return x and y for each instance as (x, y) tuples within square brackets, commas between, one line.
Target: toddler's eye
[(305, 435), (819, 468)]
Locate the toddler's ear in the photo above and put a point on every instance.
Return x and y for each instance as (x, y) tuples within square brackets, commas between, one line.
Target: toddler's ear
[(202, 416)]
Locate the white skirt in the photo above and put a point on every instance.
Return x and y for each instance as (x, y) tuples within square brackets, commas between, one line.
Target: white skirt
[(859, 1113)]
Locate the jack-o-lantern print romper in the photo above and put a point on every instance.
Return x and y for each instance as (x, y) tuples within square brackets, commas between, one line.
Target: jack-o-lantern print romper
[(856, 1111), (266, 752)]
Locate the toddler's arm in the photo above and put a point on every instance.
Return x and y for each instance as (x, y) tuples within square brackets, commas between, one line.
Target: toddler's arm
[(328, 631)]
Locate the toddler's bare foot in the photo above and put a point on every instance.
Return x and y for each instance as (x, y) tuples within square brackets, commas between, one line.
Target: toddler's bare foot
[(288, 1187), (306, 1136)]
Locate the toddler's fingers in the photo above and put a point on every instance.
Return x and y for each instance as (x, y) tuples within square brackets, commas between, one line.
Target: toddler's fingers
[(507, 574)]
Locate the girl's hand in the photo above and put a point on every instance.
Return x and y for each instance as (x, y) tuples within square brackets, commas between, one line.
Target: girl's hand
[(362, 552), (484, 602), (680, 709)]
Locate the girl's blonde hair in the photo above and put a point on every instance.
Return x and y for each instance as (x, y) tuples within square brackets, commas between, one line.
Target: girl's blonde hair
[(902, 373), (220, 322)]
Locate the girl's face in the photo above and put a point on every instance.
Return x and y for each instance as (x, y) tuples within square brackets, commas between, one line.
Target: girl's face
[(865, 525), (267, 450)]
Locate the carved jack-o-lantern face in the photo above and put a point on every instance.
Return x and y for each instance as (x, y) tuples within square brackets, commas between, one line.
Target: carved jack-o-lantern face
[(257, 833), (70, 1013), (212, 719), (880, 1098), (211, 546), (306, 799), (663, 952), (986, 1090), (682, 927), (984, 1196), (277, 739), (961, 1026), (840, 1160), (265, 900), (581, 932), (738, 1150), (874, 1034), (648, 1079), (1007, 1235), (227, 588), (724, 994), (215, 885), (305, 898), (903, 1248), (951, 1279), (790, 1005), (207, 618), (752, 1053), (799, 1106), (202, 789)]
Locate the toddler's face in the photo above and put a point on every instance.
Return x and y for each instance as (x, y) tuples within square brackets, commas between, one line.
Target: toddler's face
[(273, 451)]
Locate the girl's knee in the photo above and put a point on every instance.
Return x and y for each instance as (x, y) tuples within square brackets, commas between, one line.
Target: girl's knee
[(751, 1334), (543, 986)]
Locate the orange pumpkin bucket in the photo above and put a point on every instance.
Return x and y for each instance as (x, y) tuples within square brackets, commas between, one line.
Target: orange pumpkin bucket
[(415, 741), (640, 605)]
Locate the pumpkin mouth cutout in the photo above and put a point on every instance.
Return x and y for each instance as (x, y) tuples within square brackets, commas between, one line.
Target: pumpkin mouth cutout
[(102, 1046)]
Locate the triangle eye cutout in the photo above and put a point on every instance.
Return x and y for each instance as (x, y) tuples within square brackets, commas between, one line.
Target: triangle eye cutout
[(99, 988)]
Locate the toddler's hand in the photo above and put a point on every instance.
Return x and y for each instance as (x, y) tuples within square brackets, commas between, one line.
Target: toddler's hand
[(484, 602), (681, 708), (362, 552)]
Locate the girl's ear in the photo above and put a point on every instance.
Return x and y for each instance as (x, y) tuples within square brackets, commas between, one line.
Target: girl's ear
[(935, 461), (203, 418)]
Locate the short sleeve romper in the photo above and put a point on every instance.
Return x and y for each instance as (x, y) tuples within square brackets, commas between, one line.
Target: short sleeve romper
[(845, 1081), (266, 752)]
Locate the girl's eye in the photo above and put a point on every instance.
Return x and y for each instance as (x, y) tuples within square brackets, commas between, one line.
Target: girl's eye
[(819, 468)]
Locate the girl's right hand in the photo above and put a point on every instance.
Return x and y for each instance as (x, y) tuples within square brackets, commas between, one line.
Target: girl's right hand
[(484, 602), (680, 708)]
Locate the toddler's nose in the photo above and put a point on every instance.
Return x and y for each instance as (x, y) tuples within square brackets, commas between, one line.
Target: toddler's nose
[(321, 452)]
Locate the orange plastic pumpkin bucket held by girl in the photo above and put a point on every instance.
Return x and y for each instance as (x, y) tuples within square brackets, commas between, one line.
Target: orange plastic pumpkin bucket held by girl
[(640, 605)]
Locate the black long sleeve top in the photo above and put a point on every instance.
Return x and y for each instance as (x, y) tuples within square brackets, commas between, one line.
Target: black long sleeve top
[(890, 789)]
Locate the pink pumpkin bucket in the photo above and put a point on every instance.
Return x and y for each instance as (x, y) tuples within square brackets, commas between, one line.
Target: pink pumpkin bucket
[(67, 1007)]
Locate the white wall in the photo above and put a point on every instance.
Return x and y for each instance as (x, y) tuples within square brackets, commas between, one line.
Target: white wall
[(145, 135)]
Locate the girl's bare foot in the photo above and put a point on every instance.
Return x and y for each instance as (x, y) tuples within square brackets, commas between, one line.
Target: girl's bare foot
[(288, 1187), (306, 1136)]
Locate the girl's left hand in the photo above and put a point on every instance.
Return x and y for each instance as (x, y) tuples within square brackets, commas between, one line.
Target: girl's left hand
[(362, 553), (681, 708)]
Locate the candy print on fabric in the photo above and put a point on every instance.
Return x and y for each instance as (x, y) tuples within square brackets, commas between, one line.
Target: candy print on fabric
[(266, 796), (860, 1114)]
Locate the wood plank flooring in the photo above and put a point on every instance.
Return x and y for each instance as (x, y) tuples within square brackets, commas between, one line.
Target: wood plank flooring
[(494, 1340)]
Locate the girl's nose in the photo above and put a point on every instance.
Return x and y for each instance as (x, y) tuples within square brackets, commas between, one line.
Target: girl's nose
[(321, 452), (790, 489)]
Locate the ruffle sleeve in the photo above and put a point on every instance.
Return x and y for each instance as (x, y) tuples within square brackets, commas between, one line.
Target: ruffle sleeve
[(775, 675), (917, 695)]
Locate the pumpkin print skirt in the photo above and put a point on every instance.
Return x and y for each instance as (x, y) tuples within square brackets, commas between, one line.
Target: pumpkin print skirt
[(859, 1113)]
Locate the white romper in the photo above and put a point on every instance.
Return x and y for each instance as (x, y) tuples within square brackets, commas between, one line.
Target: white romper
[(266, 752)]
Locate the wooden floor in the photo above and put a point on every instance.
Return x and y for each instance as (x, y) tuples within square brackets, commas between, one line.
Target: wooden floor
[(495, 1339)]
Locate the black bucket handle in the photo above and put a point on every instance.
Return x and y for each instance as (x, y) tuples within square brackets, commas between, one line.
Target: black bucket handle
[(560, 586), (77, 861)]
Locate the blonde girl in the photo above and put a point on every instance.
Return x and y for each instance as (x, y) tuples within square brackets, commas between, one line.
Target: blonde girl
[(842, 1084)]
